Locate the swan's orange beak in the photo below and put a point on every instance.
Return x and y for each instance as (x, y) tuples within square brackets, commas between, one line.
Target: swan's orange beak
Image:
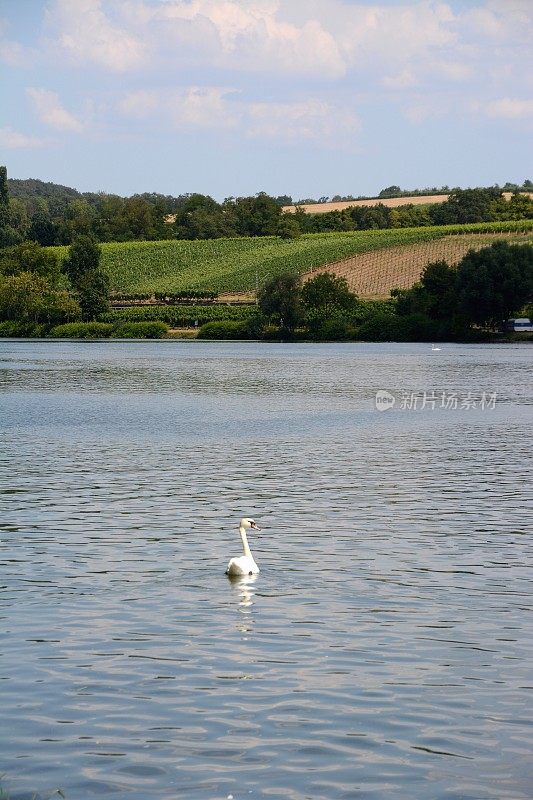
[(255, 527)]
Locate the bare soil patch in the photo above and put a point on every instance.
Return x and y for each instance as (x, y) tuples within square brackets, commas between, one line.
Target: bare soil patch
[(372, 275)]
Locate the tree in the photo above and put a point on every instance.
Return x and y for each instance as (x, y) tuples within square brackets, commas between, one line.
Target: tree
[(83, 256), (390, 191), (90, 282), (30, 257), (28, 297), (279, 300), (42, 229), (4, 198), (257, 216), (327, 290), (288, 227), (466, 205), (93, 294), (439, 282), (495, 282), (8, 235)]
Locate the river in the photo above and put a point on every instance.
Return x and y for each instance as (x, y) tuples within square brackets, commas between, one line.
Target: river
[(385, 650)]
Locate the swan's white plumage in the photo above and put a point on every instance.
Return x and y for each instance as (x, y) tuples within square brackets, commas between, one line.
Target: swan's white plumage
[(245, 564)]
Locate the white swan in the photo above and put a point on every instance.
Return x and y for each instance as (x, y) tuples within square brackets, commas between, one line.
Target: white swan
[(434, 348), (244, 565)]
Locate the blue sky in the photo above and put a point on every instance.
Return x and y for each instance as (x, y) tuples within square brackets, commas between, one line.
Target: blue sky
[(299, 97)]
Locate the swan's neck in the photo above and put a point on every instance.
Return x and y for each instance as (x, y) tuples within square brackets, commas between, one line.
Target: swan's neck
[(245, 545)]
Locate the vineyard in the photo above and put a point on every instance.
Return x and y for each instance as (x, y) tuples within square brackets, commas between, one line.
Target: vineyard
[(373, 274), (236, 265), (184, 316)]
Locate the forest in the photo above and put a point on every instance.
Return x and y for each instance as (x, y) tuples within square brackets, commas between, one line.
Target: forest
[(51, 214)]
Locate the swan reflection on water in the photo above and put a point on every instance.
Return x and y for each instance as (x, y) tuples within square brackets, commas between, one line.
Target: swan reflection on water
[(243, 584)]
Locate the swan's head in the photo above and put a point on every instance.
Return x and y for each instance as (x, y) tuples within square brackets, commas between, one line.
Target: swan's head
[(247, 523)]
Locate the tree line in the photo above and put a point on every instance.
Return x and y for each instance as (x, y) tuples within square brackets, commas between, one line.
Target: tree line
[(35, 290), (56, 215), (449, 303)]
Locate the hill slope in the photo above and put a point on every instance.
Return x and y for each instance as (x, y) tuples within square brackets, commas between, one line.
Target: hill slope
[(372, 275), (234, 265)]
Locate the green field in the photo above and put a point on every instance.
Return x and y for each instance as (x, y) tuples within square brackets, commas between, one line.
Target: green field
[(233, 265)]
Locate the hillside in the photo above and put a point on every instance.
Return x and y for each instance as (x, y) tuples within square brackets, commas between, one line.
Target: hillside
[(389, 202), (372, 275), (373, 261)]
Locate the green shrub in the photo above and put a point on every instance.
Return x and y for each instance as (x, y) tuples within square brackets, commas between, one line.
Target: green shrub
[(141, 330), (82, 330), (224, 329), (383, 328), (15, 329), (328, 324), (179, 316)]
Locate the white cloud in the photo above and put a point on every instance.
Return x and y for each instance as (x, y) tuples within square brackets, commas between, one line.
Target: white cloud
[(85, 33), (51, 112), (13, 53), (14, 140), (203, 107), (140, 104), (222, 109), (193, 107), (309, 120), (249, 34), (510, 108)]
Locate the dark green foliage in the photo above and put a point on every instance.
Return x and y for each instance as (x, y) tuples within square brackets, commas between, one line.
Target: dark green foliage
[(487, 287), (180, 316), (434, 295), (329, 307), (30, 257), (59, 214), (43, 230), (4, 198), (83, 256), (224, 329), (329, 324), (8, 235), (471, 205), (495, 282), (29, 297), (256, 216), (328, 290), (390, 191), (141, 330), (91, 284), (82, 330), (15, 329), (279, 301), (92, 289), (382, 328), (288, 227)]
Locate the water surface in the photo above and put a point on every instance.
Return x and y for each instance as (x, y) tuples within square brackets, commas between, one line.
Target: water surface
[(384, 650)]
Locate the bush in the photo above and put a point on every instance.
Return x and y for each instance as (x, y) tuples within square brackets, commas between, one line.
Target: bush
[(141, 330), (328, 324), (382, 328), (180, 316), (82, 330), (224, 329), (25, 329)]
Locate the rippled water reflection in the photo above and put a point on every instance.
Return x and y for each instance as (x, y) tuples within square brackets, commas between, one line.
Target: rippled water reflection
[(384, 650)]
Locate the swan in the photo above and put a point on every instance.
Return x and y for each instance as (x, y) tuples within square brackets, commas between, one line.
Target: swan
[(434, 348), (244, 565)]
